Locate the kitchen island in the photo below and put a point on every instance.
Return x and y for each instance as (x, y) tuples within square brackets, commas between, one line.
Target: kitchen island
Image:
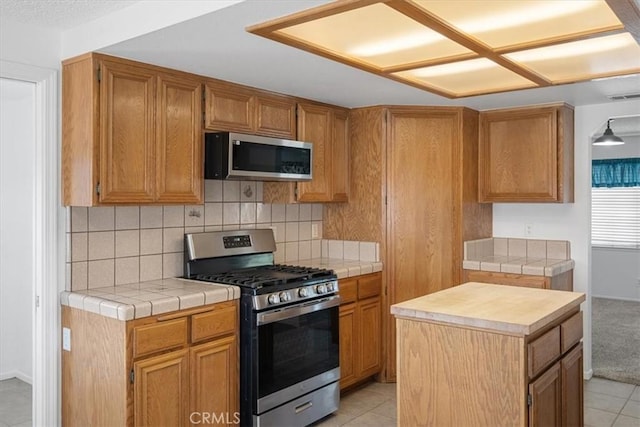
[(490, 355)]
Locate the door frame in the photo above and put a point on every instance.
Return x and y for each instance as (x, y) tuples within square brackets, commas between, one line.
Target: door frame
[(48, 241)]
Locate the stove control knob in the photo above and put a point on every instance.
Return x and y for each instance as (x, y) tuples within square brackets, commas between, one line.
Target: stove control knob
[(330, 287), (284, 297), (321, 289), (303, 292), (273, 299)]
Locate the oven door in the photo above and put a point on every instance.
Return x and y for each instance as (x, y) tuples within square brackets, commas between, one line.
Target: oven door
[(297, 351)]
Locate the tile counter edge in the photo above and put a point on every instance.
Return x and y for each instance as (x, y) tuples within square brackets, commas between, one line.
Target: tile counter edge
[(138, 300), (144, 299)]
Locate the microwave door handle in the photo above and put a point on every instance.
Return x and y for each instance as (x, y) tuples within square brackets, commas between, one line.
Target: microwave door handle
[(297, 310)]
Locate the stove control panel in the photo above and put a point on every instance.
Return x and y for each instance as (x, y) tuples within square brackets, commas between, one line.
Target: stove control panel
[(294, 295), (239, 241)]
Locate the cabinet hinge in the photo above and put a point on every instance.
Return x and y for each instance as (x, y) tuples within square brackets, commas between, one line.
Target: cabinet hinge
[(99, 74), (98, 189), (132, 376), (529, 400)]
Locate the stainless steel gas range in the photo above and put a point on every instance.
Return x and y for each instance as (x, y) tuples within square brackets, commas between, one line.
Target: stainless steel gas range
[(289, 351)]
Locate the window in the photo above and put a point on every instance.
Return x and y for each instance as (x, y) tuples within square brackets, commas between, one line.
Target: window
[(615, 203)]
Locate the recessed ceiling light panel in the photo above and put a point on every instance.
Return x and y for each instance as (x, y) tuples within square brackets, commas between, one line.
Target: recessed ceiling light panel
[(500, 23), (377, 35), (466, 78), (584, 59)]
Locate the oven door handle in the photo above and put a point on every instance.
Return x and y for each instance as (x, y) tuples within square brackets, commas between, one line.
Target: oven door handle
[(297, 310)]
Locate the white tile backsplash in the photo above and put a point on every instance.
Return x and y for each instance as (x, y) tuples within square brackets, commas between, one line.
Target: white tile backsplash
[(109, 246), (173, 216), (101, 219), (127, 217), (150, 217), (101, 245)]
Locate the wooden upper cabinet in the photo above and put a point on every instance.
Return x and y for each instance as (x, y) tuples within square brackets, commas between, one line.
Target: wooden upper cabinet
[(127, 133), (179, 156), (236, 108), (340, 157), (526, 154), (327, 128), (314, 125), (131, 133)]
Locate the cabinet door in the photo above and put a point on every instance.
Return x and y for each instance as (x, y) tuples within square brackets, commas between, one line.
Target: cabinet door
[(340, 157), (127, 133), (275, 116), (214, 381), (518, 155), (314, 125), (369, 317), (179, 153), (348, 345), (572, 388), (545, 392), (228, 108), (161, 390)]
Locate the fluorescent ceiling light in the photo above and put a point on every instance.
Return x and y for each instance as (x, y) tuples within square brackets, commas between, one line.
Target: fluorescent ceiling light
[(469, 47)]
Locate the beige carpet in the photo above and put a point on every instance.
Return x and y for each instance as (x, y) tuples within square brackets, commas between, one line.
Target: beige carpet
[(616, 340)]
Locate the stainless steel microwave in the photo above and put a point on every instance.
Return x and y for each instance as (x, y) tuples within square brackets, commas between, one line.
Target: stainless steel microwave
[(230, 155)]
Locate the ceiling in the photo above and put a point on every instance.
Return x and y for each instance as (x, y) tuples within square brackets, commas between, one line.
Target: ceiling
[(217, 45)]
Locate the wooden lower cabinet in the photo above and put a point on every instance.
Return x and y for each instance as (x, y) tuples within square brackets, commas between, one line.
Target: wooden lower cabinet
[(560, 282), (360, 329), (175, 369), (453, 375)]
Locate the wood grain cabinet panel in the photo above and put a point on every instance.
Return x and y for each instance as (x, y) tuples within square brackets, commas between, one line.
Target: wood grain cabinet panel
[(153, 371), (131, 133), (327, 128), (439, 384), (413, 188), (236, 108), (161, 393), (360, 328), (214, 373), (526, 155)]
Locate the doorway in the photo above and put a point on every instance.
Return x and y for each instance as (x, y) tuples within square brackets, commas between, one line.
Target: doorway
[(17, 222)]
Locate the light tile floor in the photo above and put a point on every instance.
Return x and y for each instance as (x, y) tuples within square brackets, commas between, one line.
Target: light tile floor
[(606, 404), (15, 403)]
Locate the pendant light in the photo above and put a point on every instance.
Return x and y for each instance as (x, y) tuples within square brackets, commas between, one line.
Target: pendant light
[(608, 137)]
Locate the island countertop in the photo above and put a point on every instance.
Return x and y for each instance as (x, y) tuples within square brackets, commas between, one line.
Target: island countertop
[(513, 310)]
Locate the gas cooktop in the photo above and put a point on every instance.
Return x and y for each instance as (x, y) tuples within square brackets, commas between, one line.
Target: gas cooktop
[(277, 275)]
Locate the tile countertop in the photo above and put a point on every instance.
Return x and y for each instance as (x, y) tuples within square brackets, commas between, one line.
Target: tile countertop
[(518, 256), (138, 300), (513, 310)]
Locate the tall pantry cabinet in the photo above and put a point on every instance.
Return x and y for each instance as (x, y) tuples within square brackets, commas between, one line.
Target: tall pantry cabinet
[(414, 189)]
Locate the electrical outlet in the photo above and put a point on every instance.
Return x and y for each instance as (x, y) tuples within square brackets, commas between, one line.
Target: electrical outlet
[(314, 231), (66, 339), (528, 230)]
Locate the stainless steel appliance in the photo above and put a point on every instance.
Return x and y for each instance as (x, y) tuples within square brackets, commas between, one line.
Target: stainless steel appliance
[(231, 155), (289, 347)]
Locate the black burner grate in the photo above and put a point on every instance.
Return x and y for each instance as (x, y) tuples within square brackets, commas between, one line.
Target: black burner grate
[(268, 275)]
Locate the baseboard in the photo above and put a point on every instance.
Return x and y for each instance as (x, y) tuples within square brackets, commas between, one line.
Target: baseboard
[(616, 298), (588, 374), (16, 374)]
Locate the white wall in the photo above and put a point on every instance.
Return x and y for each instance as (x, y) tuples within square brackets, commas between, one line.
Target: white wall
[(17, 192), (571, 221), (27, 44), (616, 273)]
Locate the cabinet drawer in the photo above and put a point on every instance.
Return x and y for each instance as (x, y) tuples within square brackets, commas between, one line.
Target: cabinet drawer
[(155, 337), (570, 332), (214, 323), (543, 351), (348, 290), (369, 286)]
